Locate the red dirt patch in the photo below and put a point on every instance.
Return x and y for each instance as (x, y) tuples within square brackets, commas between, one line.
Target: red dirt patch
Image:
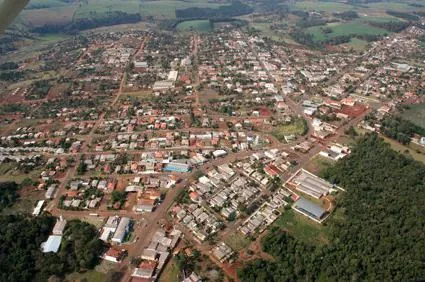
[(353, 111)]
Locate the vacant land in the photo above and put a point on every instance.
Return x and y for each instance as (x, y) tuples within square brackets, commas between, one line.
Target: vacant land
[(302, 228), (296, 127), (9, 173), (237, 241), (195, 25), (171, 272), (358, 44), (318, 163), (416, 114)]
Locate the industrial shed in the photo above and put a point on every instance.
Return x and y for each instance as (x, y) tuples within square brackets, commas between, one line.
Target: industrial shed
[(310, 209)]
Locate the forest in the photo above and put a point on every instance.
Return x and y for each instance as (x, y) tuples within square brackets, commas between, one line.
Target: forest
[(377, 235), (21, 258), (8, 194), (235, 9)]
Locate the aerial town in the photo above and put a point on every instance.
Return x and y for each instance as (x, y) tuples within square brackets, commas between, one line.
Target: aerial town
[(185, 149)]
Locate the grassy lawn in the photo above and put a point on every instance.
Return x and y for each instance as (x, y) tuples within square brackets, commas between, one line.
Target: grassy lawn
[(402, 149), (357, 28), (195, 25), (237, 241), (296, 127), (303, 228), (92, 276), (8, 173), (21, 206), (318, 163), (171, 272), (358, 44), (415, 114)]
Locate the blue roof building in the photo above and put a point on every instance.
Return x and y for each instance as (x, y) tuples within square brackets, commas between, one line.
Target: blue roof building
[(310, 209), (177, 167)]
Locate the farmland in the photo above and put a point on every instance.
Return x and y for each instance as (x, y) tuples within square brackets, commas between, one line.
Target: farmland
[(352, 28)]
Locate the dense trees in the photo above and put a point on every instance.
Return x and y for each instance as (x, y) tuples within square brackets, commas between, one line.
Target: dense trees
[(22, 260), (377, 235), (403, 15), (400, 129), (8, 194), (235, 9)]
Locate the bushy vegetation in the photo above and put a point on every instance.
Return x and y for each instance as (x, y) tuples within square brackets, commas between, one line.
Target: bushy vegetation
[(403, 15), (8, 194), (377, 235), (22, 260)]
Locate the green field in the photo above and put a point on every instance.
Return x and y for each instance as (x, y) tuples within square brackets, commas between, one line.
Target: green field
[(415, 114), (356, 28), (302, 228), (322, 6), (157, 9), (195, 25), (358, 44)]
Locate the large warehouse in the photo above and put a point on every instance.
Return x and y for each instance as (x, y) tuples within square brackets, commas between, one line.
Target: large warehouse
[(310, 209), (310, 184)]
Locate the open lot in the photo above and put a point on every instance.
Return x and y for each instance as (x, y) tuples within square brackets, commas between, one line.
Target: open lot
[(296, 127), (237, 241), (171, 272), (317, 164)]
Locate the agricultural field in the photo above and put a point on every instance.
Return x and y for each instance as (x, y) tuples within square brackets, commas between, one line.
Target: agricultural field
[(331, 7), (155, 9), (352, 28), (195, 25)]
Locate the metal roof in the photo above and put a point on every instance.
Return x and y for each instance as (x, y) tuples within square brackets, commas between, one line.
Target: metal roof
[(310, 207), (52, 244)]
